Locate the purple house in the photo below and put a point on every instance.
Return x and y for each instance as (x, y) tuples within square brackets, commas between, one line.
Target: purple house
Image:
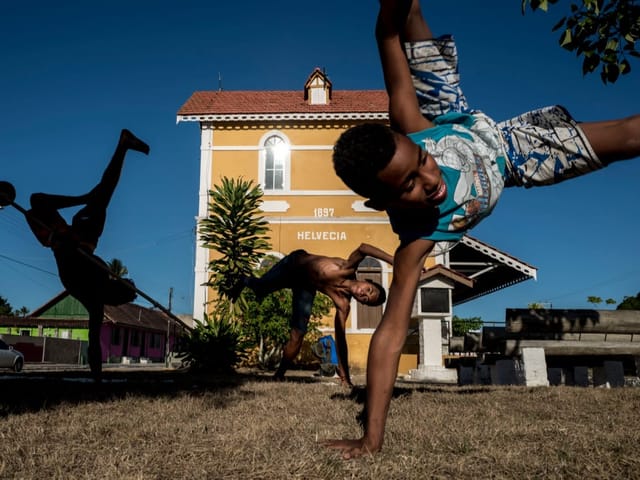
[(130, 332), (136, 332)]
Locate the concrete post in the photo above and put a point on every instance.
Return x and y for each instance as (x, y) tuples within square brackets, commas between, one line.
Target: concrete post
[(535, 367)]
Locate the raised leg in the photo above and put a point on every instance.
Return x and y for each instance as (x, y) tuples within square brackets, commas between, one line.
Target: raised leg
[(101, 193), (48, 201), (614, 140), (89, 222), (416, 28), (276, 278)]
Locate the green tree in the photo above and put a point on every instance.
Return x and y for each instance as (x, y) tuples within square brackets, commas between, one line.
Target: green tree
[(595, 301), (460, 326), (5, 307), (118, 268), (602, 32), (630, 303), (234, 229), (22, 312), (610, 301)]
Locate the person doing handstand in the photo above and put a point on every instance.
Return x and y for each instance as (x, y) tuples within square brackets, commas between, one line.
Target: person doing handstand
[(440, 168), (82, 273), (305, 274)]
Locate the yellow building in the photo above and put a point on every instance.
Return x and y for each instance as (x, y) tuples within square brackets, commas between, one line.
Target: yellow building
[(283, 141)]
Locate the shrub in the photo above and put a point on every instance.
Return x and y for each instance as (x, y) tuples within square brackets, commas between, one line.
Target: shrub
[(215, 345)]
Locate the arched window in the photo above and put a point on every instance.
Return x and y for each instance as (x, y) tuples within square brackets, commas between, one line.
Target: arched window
[(275, 163)]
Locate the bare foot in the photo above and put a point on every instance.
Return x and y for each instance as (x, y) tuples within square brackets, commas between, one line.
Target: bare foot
[(346, 383), (131, 142)]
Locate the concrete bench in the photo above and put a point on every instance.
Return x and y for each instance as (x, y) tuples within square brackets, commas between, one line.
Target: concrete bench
[(553, 346)]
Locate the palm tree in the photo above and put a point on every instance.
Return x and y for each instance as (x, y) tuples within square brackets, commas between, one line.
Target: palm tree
[(5, 306), (117, 268), (236, 230)]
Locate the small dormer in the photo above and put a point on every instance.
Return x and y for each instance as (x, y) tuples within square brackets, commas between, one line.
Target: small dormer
[(317, 88)]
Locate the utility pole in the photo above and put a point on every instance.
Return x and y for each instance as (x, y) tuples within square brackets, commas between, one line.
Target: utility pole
[(167, 345)]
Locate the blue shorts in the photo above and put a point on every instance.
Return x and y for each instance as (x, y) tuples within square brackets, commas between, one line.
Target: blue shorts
[(286, 274), (541, 147)]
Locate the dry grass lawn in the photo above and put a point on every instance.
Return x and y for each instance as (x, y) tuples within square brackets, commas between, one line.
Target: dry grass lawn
[(175, 425)]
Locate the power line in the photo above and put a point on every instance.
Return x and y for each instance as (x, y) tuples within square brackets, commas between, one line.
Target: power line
[(27, 265), (611, 280)]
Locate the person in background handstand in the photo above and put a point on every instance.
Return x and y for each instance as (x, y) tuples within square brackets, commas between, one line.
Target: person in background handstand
[(82, 273), (305, 274)]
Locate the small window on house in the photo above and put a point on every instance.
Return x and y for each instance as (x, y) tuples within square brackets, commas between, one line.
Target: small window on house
[(25, 333), (115, 336), (435, 300), (318, 96), (156, 340), (275, 163), (135, 338)]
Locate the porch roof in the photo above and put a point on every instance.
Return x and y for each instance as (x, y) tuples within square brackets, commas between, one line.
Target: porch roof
[(489, 268)]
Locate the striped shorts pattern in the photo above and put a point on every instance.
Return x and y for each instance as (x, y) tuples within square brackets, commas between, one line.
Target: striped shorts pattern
[(434, 69), (544, 147)]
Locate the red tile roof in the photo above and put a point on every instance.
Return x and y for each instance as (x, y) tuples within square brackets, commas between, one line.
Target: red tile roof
[(228, 102)]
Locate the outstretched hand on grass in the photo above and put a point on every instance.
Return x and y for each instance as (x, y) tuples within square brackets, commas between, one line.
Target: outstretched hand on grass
[(350, 448)]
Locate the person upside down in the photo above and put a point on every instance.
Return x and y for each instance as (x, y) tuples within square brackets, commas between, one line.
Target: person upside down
[(439, 168), (82, 273)]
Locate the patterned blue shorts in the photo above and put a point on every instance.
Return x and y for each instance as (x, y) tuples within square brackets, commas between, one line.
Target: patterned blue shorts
[(542, 147)]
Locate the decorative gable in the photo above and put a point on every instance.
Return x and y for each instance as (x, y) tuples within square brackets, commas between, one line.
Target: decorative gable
[(317, 88)]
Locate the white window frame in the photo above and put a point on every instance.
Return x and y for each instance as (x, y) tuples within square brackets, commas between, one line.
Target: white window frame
[(262, 163)]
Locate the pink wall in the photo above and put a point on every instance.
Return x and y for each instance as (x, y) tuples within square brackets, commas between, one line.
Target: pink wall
[(126, 347)]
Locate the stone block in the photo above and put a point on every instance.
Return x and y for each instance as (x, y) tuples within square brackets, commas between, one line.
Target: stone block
[(576, 376), (610, 374), (504, 373), (534, 367), (482, 374), (465, 375), (554, 375)]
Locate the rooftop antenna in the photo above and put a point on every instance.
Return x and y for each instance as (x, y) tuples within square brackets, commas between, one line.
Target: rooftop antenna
[(219, 82)]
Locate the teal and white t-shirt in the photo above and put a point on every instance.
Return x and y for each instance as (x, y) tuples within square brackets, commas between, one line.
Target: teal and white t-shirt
[(469, 151)]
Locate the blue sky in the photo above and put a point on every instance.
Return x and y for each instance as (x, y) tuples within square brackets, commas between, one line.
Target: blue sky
[(75, 72)]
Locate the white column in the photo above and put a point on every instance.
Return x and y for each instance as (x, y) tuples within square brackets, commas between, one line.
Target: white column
[(431, 368), (431, 342), (202, 254), (535, 367)]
